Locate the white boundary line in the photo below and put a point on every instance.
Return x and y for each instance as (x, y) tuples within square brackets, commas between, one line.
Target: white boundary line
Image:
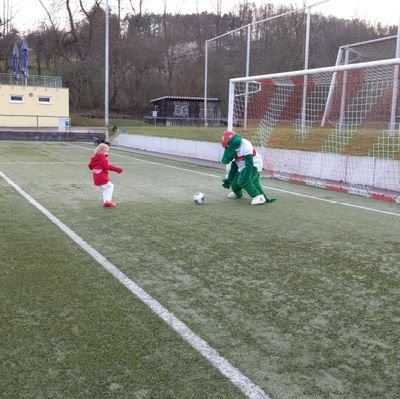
[(41, 162), (365, 208), (251, 390)]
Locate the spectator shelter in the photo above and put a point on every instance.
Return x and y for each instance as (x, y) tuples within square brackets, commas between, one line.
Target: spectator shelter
[(175, 110)]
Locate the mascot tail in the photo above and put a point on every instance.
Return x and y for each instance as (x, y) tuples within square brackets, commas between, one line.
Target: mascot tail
[(268, 199)]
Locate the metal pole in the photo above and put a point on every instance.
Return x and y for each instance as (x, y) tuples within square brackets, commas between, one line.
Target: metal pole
[(392, 125), (106, 69), (236, 30), (331, 89), (340, 68), (231, 100), (205, 82), (343, 97), (306, 57), (247, 74)]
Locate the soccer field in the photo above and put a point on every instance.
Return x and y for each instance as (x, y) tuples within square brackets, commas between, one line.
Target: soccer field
[(162, 298)]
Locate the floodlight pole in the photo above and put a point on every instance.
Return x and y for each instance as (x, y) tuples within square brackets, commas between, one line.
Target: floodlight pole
[(106, 69)]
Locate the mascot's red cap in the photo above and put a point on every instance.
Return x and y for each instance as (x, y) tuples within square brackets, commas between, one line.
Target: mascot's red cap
[(226, 137)]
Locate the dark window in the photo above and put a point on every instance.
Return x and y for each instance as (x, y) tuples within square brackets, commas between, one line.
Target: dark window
[(16, 99), (44, 100)]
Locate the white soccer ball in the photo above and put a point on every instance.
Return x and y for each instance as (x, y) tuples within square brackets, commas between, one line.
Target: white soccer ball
[(198, 198)]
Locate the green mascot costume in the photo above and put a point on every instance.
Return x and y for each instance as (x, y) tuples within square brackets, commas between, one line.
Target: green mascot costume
[(245, 168)]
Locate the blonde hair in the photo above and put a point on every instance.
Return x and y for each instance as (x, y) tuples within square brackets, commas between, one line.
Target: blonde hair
[(102, 148)]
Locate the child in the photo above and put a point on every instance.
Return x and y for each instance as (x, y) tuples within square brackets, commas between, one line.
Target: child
[(100, 166)]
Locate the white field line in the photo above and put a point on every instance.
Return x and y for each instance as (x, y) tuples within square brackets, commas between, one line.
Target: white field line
[(250, 389), (44, 163), (154, 163), (365, 208), (51, 162)]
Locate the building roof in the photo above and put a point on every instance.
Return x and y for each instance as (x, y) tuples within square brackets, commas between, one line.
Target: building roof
[(184, 98)]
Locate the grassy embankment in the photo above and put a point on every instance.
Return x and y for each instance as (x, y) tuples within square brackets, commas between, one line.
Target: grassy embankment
[(360, 142)]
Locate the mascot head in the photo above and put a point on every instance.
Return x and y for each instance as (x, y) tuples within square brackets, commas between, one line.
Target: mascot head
[(231, 141)]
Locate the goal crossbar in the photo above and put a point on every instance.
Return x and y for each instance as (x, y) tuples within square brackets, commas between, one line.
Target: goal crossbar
[(391, 61)]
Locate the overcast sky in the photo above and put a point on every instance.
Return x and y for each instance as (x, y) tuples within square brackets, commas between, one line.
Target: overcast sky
[(28, 13)]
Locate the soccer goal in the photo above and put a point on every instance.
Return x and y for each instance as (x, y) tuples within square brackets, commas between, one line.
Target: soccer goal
[(370, 50), (350, 143)]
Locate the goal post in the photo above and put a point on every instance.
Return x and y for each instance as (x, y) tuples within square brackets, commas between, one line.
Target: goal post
[(356, 149), (370, 50)]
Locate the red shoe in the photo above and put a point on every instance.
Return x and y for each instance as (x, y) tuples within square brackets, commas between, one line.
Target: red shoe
[(109, 204)]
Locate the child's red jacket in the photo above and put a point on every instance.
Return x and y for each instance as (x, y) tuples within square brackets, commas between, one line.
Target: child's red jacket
[(100, 166)]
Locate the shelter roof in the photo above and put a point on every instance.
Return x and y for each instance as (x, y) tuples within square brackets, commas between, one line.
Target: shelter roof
[(184, 98)]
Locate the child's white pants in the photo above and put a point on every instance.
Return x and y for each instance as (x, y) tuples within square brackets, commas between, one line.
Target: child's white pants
[(107, 191)]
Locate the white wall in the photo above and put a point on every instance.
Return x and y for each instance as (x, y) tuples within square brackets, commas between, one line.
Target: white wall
[(185, 148), (321, 169)]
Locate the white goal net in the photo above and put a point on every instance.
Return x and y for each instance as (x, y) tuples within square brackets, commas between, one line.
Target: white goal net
[(336, 127), (369, 50)]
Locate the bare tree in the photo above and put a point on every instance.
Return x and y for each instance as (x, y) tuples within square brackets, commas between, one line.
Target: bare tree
[(55, 29), (162, 53), (137, 12)]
